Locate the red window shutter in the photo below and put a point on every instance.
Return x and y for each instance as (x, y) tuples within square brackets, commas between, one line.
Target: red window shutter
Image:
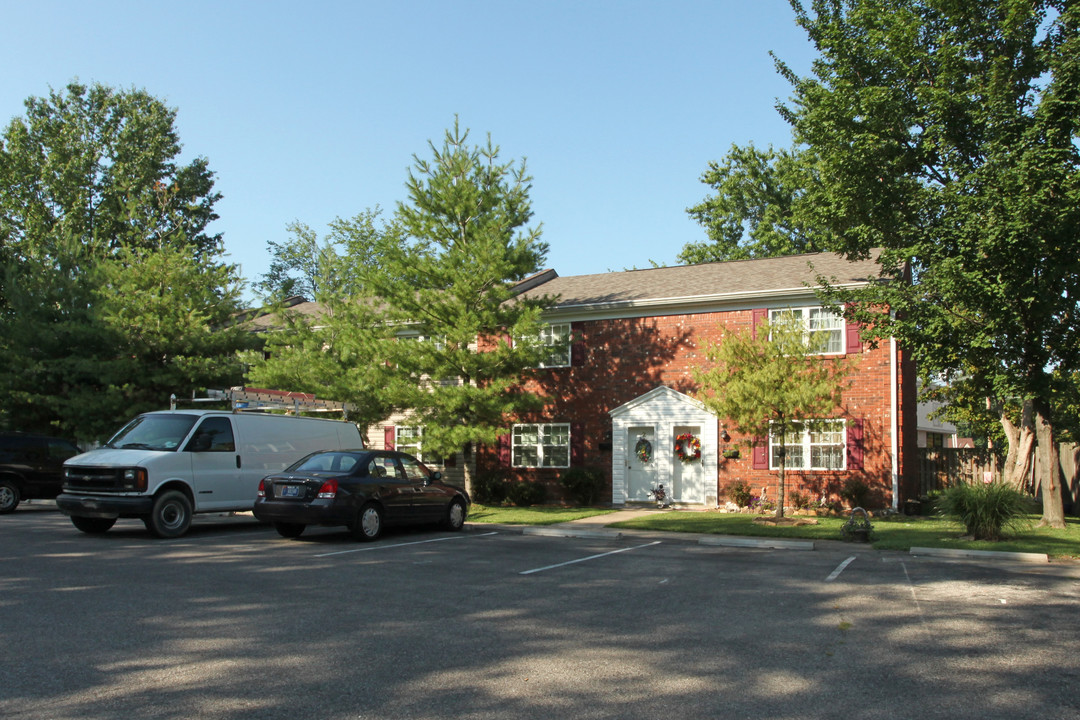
[(855, 445), (852, 342), (577, 444), (505, 452), (388, 437), (759, 315), (577, 349), (760, 454)]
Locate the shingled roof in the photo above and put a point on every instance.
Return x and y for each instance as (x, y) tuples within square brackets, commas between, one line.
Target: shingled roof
[(722, 283), (679, 288), (263, 319)]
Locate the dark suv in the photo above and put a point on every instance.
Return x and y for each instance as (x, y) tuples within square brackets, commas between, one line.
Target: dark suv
[(31, 467)]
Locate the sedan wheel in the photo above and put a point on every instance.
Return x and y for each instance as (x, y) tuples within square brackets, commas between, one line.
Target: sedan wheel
[(369, 523), (455, 516)]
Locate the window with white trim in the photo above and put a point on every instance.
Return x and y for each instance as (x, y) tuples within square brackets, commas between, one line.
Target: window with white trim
[(820, 445), (556, 337), (541, 445), (824, 327), (409, 439), (438, 340)]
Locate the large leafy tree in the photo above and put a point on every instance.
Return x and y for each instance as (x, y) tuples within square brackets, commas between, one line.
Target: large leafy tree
[(309, 267), (771, 382), (945, 133), (343, 351), (112, 293), (752, 212)]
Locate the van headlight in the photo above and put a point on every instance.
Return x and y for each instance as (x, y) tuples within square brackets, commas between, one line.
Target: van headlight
[(133, 479)]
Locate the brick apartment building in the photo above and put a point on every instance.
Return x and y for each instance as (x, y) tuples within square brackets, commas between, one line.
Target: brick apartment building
[(624, 393)]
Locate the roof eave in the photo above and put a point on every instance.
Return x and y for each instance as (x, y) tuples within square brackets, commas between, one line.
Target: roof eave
[(687, 304)]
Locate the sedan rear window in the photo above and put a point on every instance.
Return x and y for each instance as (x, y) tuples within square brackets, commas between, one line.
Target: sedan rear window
[(327, 462)]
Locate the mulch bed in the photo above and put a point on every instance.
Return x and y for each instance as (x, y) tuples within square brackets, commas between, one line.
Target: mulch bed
[(785, 521)]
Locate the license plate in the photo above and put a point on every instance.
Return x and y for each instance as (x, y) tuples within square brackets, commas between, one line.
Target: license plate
[(290, 491)]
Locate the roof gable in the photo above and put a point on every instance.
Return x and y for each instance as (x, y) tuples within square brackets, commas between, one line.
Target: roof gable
[(663, 395)]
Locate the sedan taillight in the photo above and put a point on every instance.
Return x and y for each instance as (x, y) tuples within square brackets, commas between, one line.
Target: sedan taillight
[(328, 491), (262, 489)]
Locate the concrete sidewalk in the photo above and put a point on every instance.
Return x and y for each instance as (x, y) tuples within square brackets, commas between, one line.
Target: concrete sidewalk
[(617, 516), (596, 527)]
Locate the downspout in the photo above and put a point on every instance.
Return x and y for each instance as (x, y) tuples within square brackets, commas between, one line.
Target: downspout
[(894, 404)]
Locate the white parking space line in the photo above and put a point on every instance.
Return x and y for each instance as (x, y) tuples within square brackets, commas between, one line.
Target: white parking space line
[(591, 557), (840, 568), (397, 545)]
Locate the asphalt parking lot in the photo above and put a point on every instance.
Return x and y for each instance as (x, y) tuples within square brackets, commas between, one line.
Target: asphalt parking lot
[(232, 621)]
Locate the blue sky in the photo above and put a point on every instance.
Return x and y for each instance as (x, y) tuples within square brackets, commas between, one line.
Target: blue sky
[(313, 110)]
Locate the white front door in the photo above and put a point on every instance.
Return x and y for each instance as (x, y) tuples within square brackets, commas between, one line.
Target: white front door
[(687, 478), (640, 463)]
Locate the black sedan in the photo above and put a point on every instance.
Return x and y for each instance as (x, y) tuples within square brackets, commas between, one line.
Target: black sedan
[(364, 490)]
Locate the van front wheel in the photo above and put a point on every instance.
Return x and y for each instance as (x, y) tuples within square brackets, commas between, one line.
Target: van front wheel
[(171, 515)]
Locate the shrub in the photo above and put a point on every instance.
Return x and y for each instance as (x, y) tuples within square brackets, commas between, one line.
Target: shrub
[(986, 510), (855, 492), (583, 484), (524, 494), (739, 493), (798, 500), (490, 489)]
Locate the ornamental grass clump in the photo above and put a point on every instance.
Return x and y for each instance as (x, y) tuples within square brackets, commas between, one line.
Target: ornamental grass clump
[(988, 511)]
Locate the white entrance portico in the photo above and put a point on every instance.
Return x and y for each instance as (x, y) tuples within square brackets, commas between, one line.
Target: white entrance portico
[(643, 433)]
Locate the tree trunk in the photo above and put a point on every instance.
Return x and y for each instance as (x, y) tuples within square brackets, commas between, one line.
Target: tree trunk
[(1049, 471), (780, 483), (468, 456), (1021, 451)]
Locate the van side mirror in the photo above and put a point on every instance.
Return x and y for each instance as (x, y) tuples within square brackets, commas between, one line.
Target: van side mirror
[(436, 476)]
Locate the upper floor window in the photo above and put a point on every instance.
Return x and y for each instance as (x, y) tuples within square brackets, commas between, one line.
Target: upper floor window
[(824, 327), (815, 446), (556, 338), (541, 445)]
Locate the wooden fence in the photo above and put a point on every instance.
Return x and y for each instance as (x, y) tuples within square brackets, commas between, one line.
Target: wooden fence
[(942, 467)]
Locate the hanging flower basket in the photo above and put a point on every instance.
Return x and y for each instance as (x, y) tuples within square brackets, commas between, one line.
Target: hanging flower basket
[(688, 447), (643, 450)]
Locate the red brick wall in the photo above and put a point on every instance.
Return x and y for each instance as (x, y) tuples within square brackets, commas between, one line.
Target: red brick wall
[(615, 361)]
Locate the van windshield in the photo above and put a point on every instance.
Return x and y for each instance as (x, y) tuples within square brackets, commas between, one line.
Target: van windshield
[(153, 432)]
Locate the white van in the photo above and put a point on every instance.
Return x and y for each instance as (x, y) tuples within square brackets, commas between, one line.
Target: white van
[(164, 466)]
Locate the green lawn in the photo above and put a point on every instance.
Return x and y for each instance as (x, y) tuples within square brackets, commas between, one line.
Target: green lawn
[(537, 515), (899, 532)]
